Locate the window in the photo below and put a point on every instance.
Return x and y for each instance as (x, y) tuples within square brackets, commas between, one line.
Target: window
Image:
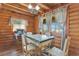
[(18, 24)]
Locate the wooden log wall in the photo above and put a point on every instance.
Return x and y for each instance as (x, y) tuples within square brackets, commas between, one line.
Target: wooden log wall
[(6, 33), (57, 40), (73, 29), (36, 24)]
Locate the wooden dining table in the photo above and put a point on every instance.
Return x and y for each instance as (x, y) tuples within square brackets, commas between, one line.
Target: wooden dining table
[(41, 41)]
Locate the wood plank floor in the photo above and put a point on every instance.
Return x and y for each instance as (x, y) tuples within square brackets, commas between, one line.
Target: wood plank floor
[(12, 52)]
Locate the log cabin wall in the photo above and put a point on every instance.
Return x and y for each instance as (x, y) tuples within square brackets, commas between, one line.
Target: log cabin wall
[(57, 40), (36, 24), (73, 28), (6, 33), (19, 16)]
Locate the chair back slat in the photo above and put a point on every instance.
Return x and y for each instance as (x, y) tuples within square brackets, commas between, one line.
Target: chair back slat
[(24, 45)]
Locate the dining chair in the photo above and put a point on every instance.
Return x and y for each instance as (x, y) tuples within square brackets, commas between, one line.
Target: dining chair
[(28, 48), (59, 52)]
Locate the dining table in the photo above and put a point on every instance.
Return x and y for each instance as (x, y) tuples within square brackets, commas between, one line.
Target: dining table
[(40, 40)]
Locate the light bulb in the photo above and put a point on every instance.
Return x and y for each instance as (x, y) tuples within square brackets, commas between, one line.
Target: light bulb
[(37, 7), (30, 6)]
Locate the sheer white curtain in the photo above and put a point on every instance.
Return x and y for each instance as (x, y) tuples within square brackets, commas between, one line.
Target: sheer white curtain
[(40, 19), (60, 24), (61, 19)]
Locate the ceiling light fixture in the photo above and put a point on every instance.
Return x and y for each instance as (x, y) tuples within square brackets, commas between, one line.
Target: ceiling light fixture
[(30, 6), (33, 10)]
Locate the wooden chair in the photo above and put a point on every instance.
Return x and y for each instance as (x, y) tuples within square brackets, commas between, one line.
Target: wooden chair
[(58, 52), (66, 46), (28, 48)]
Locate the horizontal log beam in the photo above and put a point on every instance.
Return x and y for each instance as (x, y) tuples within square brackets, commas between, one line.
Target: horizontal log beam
[(16, 9)]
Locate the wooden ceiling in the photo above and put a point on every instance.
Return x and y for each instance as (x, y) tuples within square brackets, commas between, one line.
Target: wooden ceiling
[(23, 7), (54, 5)]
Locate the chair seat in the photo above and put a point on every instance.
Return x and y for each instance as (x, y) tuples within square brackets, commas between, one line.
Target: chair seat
[(55, 52)]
